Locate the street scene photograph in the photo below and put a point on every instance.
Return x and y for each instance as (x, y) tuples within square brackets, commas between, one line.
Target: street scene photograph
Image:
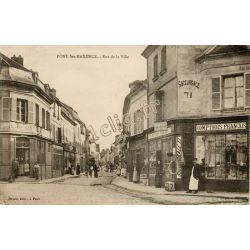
[(124, 125)]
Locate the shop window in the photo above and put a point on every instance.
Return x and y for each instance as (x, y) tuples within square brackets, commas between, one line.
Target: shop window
[(223, 156), (22, 110), (167, 149), (41, 152), (37, 115), (57, 158), (247, 89)]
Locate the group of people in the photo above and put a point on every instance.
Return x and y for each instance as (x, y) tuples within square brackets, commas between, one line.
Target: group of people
[(71, 169), (93, 169), (15, 170)]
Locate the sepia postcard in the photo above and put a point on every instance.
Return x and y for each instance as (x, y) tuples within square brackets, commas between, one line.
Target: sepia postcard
[(124, 125)]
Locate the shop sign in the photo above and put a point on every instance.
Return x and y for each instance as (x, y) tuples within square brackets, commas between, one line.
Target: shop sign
[(159, 133), (160, 126), (221, 126)]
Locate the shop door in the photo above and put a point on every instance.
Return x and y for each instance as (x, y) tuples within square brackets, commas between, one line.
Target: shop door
[(159, 169)]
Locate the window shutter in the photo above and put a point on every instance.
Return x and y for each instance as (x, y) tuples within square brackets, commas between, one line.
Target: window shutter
[(163, 59), (247, 90), (1, 109), (40, 117), (156, 66), (13, 109), (216, 93), (6, 108), (30, 112)]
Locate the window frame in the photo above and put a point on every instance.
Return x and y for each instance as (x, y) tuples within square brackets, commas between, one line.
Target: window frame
[(19, 110), (245, 90), (235, 95)]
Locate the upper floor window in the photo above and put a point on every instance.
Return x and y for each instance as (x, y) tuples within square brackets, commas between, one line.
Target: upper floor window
[(159, 97), (22, 110), (163, 60), (229, 93), (138, 122), (233, 92), (156, 66)]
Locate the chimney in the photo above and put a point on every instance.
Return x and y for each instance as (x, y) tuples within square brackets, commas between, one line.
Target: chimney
[(18, 59), (53, 92)]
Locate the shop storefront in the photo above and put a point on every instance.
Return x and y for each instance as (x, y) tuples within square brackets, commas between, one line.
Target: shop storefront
[(161, 147), (222, 150), (138, 158)]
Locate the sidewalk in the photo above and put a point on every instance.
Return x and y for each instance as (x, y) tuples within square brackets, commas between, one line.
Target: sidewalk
[(28, 180), (151, 190)]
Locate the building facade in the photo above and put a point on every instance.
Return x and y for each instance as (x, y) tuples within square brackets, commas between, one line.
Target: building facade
[(135, 112), (203, 112), (31, 122)]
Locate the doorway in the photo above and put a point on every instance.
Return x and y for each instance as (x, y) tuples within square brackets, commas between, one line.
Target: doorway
[(159, 169), (23, 156)]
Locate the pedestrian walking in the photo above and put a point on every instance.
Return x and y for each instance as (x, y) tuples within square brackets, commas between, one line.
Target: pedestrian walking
[(36, 170), (194, 178), (78, 169), (95, 169)]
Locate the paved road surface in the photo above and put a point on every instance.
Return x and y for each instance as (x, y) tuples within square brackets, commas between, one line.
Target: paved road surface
[(71, 191)]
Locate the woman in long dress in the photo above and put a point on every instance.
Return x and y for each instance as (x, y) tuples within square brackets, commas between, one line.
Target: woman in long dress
[(194, 178), (135, 175)]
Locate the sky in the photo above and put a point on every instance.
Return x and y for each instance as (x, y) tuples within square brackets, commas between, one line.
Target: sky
[(94, 87)]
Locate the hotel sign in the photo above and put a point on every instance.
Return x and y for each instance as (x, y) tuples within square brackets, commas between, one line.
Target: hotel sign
[(159, 133), (160, 126), (221, 126)]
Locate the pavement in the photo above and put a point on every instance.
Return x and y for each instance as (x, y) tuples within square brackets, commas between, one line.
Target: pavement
[(119, 187), (202, 197)]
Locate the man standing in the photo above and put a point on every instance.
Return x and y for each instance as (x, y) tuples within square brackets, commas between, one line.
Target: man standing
[(194, 178), (37, 170), (14, 170)]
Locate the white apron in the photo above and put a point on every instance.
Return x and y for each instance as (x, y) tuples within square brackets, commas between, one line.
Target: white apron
[(135, 175), (193, 183)]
